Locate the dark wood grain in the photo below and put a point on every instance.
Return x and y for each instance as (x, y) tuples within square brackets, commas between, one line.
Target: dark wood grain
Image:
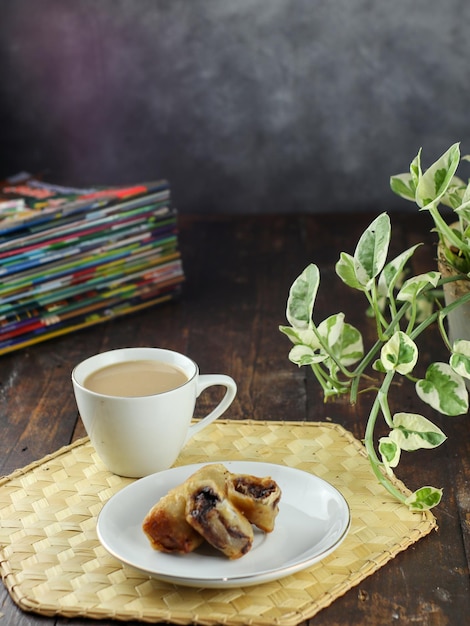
[(238, 273)]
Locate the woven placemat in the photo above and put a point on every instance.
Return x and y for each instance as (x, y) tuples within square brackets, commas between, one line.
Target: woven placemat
[(53, 564)]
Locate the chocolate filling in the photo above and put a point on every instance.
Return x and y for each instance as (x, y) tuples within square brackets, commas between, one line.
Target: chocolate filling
[(255, 490), (205, 501)]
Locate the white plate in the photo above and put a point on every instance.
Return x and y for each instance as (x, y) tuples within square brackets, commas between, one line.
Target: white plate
[(313, 520)]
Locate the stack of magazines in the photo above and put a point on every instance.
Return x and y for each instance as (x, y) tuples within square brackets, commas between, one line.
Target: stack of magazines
[(70, 258)]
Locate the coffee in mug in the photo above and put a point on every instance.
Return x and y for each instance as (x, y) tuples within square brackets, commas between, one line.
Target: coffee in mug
[(135, 378), (137, 405)]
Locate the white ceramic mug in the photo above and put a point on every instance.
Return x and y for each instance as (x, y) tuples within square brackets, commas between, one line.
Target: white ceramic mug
[(138, 436)]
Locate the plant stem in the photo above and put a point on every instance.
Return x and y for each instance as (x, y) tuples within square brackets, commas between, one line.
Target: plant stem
[(441, 313), (380, 321), (369, 439), (327, 382), (366, 360)]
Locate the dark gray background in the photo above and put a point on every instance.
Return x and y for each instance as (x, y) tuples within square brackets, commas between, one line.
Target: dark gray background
[(248, 106)]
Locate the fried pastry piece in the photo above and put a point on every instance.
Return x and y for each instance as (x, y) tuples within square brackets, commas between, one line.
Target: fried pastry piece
[(213, 516), (166, 527), (217, 472), (257, 498)]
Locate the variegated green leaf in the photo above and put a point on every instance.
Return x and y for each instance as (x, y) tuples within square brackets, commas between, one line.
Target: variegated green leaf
[(435, 181), (345, 270), (344, 341), (443, 389), (456, 196), (391, 273), (415, 285), (415, 169), (371, 251), (331, 328), (303, 355), (463, 211), (460, 358), (424, 499), (412, 432), (399, 353), (404, 186), (352, 346), (301, 336), (378, 366), (390, 453), (302, 296)]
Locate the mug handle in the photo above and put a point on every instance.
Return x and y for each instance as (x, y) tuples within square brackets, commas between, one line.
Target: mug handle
[(208, 380)]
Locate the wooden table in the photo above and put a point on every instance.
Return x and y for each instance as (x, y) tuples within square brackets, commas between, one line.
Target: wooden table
[(238, 273)]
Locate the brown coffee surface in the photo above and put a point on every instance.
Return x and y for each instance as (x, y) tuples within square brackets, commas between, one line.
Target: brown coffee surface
[(135, 378)]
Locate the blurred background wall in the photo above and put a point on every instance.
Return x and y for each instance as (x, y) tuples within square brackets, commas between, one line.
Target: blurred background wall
[(249, 106)]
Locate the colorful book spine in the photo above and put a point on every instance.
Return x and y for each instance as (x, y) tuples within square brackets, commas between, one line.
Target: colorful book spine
[(71, 258)]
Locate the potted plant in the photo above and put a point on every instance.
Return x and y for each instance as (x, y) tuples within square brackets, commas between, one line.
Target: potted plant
[(439, 185), (334, 349)]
